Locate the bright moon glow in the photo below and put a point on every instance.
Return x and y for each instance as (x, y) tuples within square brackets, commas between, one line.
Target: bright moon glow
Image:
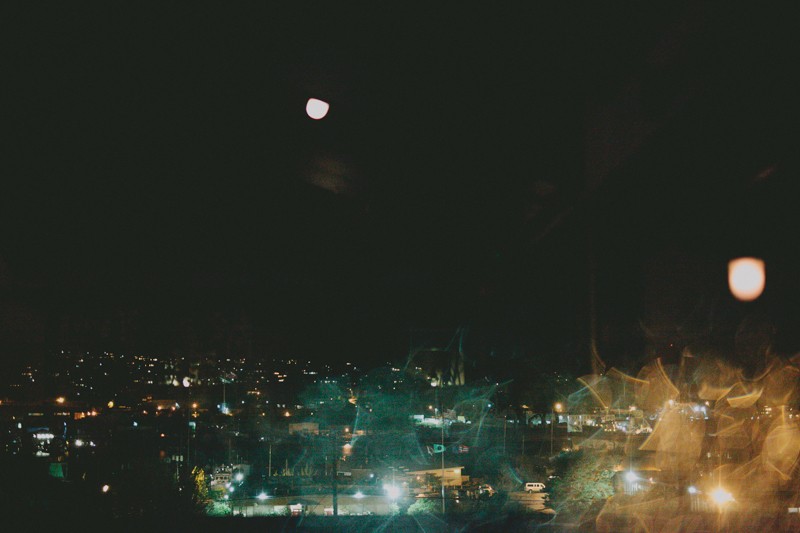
[(746, 278), (317, 109)]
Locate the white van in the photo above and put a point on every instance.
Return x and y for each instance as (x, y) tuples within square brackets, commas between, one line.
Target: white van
[(534, 487)]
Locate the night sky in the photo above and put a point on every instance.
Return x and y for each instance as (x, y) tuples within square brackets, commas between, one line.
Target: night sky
[(165, 191)]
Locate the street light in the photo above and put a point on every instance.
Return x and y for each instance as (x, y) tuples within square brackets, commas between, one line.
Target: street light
[(721, 496), (557, 408), (393, 491)]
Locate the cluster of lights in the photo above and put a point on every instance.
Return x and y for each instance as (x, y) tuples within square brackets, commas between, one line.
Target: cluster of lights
[(719, 495)]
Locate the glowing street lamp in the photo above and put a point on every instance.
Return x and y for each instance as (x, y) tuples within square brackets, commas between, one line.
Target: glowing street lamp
[(557, 408), (317, 109), (746, 278), (262, 496), (105, 488), (393, 491), (721, 496)]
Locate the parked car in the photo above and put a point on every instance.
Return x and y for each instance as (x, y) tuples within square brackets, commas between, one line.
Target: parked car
[(486, 491), (534, 487)]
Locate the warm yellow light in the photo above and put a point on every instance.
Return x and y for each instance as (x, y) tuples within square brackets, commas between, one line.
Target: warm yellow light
[(194, 405), (746, 278), (110, 404), (721, 496), (60, 399), (287, 414), (558, 407)]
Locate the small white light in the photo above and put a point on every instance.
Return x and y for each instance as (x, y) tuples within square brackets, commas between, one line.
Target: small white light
[(239, 476), (317, 109), (105, 488), (631, 477), (358, 495), (262, 496), (78, 443), (692, 490)]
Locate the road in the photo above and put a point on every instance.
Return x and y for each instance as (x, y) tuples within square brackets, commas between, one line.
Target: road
[(535, 501)]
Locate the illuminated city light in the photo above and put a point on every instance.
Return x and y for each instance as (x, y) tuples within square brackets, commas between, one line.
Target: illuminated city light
[(105, 488), (392, 491), (110, 404), (692, 490), (78, 443), (239, 476), (721, 496), (746, 278), (317, 109), (262, 496), (358, 495), (60, 399), (630, 477)]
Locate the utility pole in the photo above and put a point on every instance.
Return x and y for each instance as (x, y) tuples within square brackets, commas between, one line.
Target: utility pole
[(270, 460), (505, 420), (335, 478), (441, 411)]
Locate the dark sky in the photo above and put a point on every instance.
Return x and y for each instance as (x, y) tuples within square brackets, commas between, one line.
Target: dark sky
[(166, 190)]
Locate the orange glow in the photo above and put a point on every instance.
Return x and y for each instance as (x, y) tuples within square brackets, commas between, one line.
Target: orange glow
[(746, 278), (60, 399)]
